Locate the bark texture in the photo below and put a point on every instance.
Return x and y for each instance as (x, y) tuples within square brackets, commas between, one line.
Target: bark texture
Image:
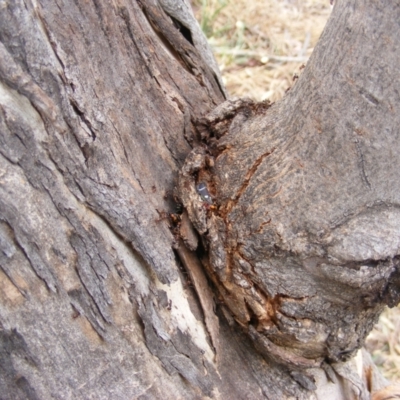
[(99, 108), (304, 237)]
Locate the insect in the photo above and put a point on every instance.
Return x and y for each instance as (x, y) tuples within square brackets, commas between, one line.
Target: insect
[(204, 193)]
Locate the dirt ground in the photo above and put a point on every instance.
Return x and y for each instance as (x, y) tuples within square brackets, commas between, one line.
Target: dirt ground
[(261, 45)]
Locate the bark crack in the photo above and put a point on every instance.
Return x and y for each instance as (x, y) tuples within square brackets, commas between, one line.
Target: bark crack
[(185, 53), (246, 181), (12, 280), (361, 163), (41, 269), (92, 290), (194, 269), (83, 118)]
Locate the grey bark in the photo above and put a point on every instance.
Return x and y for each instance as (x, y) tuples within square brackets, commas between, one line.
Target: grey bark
[(100, 105)]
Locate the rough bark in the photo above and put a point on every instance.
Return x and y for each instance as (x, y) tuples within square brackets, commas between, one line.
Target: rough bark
[(303, 242), (99, 108)]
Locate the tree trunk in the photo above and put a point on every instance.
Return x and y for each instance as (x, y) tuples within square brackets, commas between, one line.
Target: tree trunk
[(102, 106)]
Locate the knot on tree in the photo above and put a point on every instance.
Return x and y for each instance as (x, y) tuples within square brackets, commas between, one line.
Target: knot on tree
[(306, 281)]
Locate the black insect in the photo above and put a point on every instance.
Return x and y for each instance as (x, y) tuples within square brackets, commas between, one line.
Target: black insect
[(203, 192)]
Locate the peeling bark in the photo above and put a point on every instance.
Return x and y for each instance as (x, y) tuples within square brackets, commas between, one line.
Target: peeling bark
[(102, 106)]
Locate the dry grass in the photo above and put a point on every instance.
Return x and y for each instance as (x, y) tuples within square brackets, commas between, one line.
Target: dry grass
[(384, 343), (260, 45)]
